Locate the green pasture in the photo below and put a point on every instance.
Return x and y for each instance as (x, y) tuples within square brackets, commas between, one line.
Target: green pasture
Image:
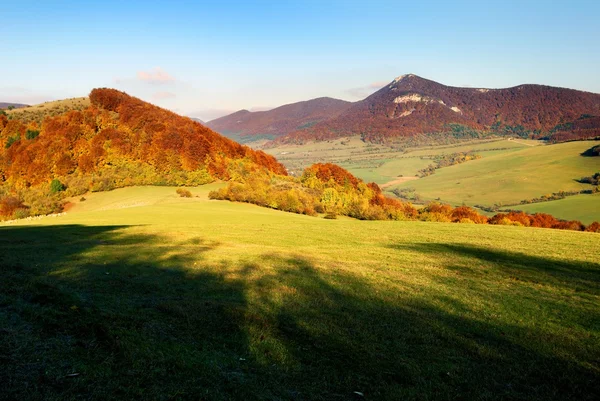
[(140, 294)]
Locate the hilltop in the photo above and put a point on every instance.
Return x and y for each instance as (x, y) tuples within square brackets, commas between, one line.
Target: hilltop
[(411, 105), (247, 125)]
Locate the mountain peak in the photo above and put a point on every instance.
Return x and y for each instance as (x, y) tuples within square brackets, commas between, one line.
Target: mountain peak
[(404, 77)]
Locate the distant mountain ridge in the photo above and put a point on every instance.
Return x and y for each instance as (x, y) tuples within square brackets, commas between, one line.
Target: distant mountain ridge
[(281, 120), (5, 105), (411, 105)]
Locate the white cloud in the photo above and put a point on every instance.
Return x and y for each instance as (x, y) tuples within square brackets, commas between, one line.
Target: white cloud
[(155, 76)]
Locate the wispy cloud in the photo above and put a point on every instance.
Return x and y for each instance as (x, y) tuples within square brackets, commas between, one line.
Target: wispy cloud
[(364, 91), (163, 95), (155, 76)]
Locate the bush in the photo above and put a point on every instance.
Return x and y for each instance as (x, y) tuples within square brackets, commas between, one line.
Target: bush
[(594, 227), (56, 186), (184, 193), (9, 205), (32, 134)]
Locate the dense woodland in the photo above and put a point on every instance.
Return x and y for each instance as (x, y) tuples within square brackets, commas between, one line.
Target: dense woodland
[(329, 189), (412, 105), (117, 141)]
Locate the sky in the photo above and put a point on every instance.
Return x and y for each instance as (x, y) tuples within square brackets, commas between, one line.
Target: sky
[(210, 58)]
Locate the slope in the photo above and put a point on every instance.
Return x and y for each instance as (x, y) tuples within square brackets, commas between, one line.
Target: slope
[(205, 299)]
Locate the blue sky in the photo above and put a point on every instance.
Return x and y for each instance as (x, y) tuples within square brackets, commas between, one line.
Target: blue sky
[(210, 58)]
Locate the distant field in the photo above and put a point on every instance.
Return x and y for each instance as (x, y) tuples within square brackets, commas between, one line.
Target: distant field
[(381, 163), (140, 294), (585, 208), (511, 177), (39, 111)]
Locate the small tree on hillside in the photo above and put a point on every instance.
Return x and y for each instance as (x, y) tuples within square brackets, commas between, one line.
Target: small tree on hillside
[(56, 186)]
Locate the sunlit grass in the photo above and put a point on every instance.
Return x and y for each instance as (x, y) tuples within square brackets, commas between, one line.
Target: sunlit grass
[(148, 295)]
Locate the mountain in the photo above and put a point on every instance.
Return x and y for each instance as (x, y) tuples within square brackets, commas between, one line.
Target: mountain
[(412, 105), (198, 120), (281, 120), (117, 141), (5, 105)]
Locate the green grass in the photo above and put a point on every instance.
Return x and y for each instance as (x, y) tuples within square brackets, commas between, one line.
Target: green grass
[(585, 208), (511, 177), (145, 295)]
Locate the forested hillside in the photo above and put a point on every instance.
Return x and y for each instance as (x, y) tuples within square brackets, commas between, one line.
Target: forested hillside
[(118, 141)]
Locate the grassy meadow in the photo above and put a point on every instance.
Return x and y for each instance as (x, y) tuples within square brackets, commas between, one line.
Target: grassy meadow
[(139, 294)]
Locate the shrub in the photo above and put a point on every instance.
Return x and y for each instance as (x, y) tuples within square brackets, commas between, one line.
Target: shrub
[(184, 193), (594, 227), (32, 134), (465, 212), (82, 199), (9, 205), (56, 186), (435, 216)]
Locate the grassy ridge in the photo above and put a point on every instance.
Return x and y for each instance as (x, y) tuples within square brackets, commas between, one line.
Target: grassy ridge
[(197, 299)]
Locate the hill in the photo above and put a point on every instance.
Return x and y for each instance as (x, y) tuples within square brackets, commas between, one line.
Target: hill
[(279, 121), (117, 141), (412, 105), (190, 298), (5, 105)]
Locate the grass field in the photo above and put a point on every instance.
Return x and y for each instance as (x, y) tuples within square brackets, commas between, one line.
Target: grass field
[(140, 294), (511, 177), (585, 208), (39, 111)]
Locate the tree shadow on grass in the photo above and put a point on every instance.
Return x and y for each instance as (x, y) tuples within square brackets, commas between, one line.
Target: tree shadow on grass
[(344, 337), (104, 313)]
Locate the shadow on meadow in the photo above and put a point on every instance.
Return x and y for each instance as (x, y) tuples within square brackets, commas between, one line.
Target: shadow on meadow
[(97, 313)]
